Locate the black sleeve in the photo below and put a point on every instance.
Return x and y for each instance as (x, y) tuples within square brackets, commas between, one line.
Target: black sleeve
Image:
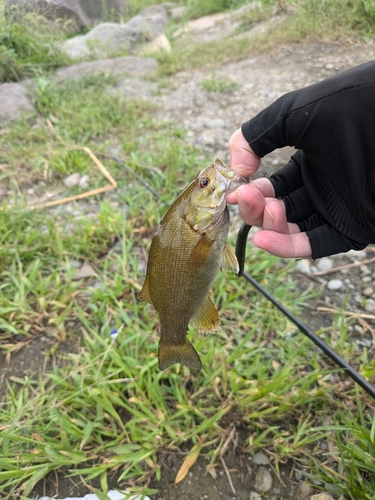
[(332, 125)]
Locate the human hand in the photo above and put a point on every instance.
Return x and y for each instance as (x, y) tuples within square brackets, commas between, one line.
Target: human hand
[(258, 206)]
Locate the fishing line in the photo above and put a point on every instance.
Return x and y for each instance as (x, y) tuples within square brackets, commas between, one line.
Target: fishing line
[(240, 254)]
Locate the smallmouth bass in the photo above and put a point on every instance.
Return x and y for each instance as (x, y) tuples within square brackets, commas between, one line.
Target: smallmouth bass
[(187, 250)]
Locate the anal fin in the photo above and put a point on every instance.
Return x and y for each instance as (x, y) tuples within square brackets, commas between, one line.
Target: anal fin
[(207, 319)]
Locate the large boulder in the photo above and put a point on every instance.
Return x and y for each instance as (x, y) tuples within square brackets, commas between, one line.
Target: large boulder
[(77, 13), (121, 66), (108, 39)]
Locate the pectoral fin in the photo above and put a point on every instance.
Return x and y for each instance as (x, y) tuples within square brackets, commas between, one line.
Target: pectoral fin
[(230, 262), (200, 253), (181, 353), (144, 294), (207, 319)]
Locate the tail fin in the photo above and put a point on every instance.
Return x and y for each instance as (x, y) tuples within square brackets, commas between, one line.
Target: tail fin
[(183, 353)]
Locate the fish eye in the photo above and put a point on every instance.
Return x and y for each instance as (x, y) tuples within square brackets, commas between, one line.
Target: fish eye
[(204, 182)]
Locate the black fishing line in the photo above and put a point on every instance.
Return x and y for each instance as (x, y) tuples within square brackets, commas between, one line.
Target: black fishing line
[(240, 254)]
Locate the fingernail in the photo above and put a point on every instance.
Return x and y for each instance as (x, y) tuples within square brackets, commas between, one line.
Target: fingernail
[(268, 220), (242, 205)]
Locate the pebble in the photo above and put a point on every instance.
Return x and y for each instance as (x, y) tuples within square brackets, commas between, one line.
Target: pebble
[(84, 181), (355, 254), (334, 284), (255, 496), (321, 496), (260, 458), (72, 180), (303, 266), (368, 291), (263, 479), (370, 305), (85, 272), (298, 475), (366, 342), (302, 490), (324, 264)]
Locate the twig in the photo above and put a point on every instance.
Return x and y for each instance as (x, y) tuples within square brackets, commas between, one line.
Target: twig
[(346, 313), (86, 194), (60, 201), (228, 476), (340, 268)]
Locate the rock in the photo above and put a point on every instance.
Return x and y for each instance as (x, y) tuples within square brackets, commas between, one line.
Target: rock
[(72, 180), (161, 42), (260, 458), (255, 496), (355, 254), (303, 266), (128, 65), (104, 39), (178, 12), (370, 305), (110, 38), (324, 264), (302, 490), (263, 479), (368, 291), (334, 284), (86, 271), (321, 496), (84, 181), (153, 11), (14, 102), (79, 13)]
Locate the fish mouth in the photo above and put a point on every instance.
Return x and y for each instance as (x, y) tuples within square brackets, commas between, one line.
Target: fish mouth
[(229, 179)]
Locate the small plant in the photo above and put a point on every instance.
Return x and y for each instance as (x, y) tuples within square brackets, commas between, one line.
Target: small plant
[(217, 84)]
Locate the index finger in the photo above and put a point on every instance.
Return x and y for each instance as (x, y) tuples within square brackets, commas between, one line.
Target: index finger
[(243, 160)]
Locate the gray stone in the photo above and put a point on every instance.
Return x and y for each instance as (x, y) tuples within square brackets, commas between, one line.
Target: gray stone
[(86, 271), (14, 102), (368, 291), (178, 12), (78, 13), (128, 65), (154, 10), (84, 181), (324, 264), (110, 38), (255, 496), (161, 42), (355, 254), (370, 305), (263, 479), (72, 180), (104, 39), (334, 284), (321, 496), (260, 458), (303, 266), (302, 491)]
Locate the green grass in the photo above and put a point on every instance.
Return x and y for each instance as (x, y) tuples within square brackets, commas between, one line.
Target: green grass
[(97, 409)]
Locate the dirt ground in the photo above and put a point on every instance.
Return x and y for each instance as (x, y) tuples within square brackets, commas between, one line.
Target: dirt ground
[(210, 118)]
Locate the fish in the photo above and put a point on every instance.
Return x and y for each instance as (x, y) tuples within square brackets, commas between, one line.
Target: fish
[(187, 251)]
